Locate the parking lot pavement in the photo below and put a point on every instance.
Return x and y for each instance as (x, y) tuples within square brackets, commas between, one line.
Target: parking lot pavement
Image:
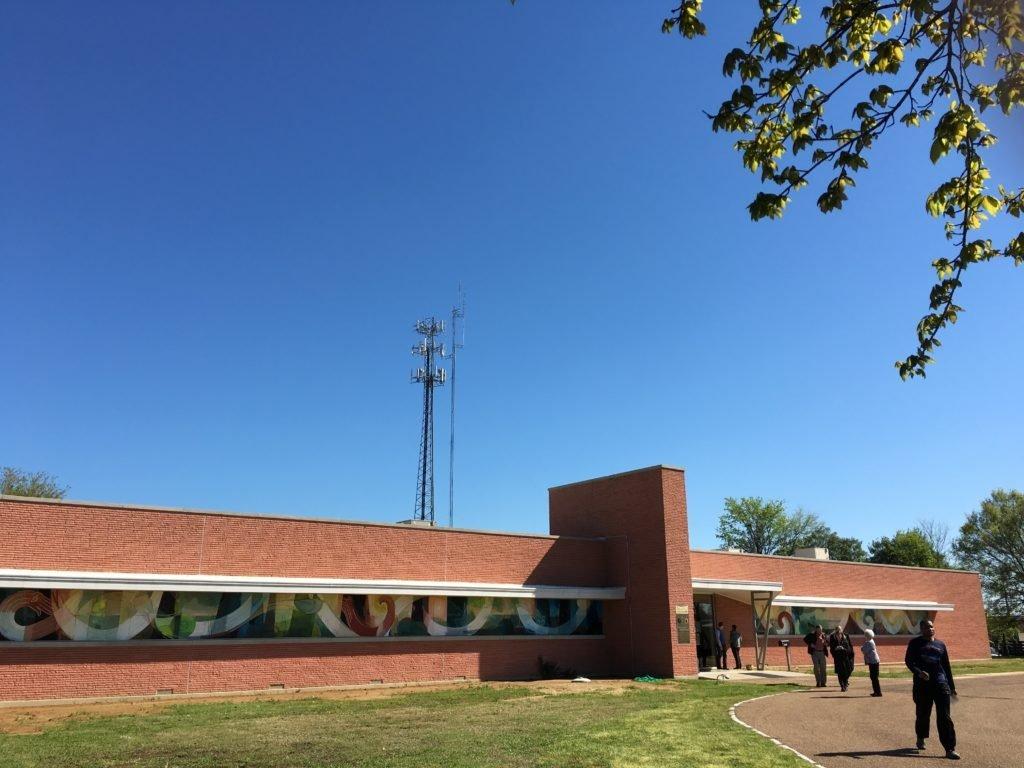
[(842, 730)]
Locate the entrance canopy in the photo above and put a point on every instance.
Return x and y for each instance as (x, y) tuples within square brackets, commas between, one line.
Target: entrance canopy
[(736, 589)]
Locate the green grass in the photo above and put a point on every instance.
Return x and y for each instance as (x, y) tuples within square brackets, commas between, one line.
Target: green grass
[(672, 724), (980, 667)]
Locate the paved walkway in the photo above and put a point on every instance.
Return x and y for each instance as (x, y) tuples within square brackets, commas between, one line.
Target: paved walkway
[(842, 730), (768, 676)]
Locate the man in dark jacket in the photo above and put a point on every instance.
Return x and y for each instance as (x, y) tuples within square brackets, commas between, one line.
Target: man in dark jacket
[(735, 641), (933, 685), (817, 649), (720, 646)]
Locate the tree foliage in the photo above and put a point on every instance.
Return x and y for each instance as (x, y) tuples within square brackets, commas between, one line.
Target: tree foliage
[(901, 62), (765, 528), (846, 548), (16, 482), (936, 533), (906, 548), (991, 541)]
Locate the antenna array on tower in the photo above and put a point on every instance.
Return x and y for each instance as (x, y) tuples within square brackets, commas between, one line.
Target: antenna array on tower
[(429, 375)]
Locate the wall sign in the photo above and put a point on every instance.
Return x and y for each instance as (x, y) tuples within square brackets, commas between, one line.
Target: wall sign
[(683, 624)]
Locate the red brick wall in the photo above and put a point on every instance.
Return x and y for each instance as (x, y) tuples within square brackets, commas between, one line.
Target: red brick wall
[(47, 536), (99, 538), (643, 514), (78, 672), (963, 630)]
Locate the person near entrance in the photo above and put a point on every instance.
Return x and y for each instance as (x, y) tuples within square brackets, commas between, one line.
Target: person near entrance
[(871, 658), (842, 656), (928, 659), (735, 641), (817, 649), (720, 646)]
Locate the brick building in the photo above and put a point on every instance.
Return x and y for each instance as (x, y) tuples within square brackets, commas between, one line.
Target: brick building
[(108, 599)]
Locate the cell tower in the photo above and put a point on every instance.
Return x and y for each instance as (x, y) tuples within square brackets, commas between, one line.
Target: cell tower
[(458, 342), (429, 375)]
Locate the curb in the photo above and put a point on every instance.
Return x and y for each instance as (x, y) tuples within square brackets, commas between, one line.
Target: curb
[(772, 739)]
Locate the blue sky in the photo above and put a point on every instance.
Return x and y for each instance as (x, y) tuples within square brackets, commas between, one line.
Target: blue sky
[(218, 223)]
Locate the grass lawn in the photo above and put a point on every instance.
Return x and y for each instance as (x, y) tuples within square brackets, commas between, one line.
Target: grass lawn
[(980, 667), (669, 724)]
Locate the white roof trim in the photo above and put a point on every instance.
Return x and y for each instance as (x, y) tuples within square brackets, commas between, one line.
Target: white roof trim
[(850, 602), (22, 579), (724, 585)]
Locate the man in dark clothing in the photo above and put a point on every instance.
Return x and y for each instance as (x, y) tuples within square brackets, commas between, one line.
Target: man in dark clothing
[(842, 656), (735, 641), (817, 649), (933, 685), (720, 646)]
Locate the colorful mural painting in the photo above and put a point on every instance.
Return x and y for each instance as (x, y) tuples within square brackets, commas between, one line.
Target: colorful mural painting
[(792, 620), (84, 615)]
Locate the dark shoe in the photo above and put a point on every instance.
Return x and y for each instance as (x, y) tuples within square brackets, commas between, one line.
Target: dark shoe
[(920, 743), (952, 754), (876, 694)]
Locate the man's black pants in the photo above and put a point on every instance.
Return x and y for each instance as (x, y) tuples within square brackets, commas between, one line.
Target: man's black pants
[(736, 657), (924, 697), (720, 658), (875, 687)]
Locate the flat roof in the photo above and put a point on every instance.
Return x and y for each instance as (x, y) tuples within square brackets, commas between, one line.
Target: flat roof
[(835, 562), (290, 518)]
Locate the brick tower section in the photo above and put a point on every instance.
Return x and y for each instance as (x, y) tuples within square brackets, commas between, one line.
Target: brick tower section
[(642, 514)]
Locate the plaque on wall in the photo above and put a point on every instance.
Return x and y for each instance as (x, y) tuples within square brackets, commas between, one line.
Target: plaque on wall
[(683, 624)]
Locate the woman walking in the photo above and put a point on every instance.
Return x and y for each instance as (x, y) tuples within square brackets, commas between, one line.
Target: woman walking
[(842, 656), (872, 659)]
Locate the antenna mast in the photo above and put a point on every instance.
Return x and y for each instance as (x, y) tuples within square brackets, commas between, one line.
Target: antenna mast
[(428, 375), (458, 313)]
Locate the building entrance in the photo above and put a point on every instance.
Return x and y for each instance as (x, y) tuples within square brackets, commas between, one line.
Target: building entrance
[(704, 618)]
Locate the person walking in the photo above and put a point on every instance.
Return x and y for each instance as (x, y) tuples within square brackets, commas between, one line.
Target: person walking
[(842, 656), (735, 641), (871, 658), (817, 649), (928, 659), (720, 646)]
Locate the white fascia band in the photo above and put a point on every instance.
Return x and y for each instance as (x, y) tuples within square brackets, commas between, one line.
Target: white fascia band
[(859, 602), (722, 585), (33, 579)]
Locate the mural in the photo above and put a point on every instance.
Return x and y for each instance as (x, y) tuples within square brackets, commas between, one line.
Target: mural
[(86, 615), (791, 620)]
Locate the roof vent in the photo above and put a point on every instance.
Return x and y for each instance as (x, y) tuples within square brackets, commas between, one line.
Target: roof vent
[(417, 523), (735, 550), (811, 553)]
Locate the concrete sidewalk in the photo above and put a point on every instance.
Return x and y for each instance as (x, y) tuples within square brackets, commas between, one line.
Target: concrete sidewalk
[(767, 676)]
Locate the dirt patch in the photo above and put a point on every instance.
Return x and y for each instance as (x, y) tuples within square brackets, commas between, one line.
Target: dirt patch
[(38, 718)]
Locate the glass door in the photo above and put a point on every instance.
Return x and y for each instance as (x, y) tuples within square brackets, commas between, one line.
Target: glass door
[(704, 618)]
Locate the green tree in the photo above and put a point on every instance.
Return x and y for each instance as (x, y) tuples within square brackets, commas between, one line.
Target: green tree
[(895, 62), (991, 541), (764, 527), (906, 548), (839, 547), (16, 482)]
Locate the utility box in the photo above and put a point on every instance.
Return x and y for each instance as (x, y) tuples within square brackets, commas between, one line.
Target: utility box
[(811, 553)]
